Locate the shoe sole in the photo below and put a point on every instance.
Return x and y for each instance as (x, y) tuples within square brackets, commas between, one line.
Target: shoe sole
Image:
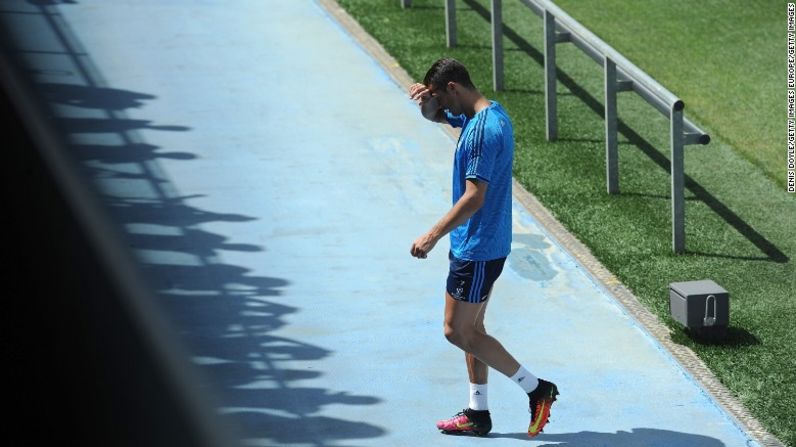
[(464, 433), (536, 428)]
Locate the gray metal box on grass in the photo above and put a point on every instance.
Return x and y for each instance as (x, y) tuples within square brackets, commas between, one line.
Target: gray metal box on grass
[(701, 306)]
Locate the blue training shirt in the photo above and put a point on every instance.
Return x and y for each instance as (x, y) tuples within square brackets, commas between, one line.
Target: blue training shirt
[(485, 151)]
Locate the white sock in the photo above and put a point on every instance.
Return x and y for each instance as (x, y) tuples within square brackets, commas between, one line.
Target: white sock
[(478, 397), (525, 379)]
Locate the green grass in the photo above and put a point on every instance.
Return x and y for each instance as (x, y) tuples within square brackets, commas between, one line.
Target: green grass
[(740, 224), (725, 59)]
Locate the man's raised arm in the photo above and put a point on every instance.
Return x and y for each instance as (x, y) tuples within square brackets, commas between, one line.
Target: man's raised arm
[(429, 106)]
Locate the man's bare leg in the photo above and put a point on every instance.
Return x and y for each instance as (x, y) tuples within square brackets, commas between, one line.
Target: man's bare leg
[(460, 329), (477, 370)]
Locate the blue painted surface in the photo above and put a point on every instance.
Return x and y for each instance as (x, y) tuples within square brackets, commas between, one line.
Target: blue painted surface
[(271, 178)]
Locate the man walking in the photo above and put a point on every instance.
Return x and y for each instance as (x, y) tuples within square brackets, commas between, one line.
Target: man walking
[(479, 224)]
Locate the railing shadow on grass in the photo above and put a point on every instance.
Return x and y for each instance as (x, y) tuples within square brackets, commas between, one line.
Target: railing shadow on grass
[(773, 254), (226, 315)]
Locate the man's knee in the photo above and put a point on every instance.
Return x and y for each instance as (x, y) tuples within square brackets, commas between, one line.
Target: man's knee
[(461, 336), (450, 333)]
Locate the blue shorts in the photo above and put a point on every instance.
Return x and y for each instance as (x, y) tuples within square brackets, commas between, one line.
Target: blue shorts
[(471, 281)]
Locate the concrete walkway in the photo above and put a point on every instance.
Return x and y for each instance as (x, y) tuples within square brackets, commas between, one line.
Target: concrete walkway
[(271, 178)]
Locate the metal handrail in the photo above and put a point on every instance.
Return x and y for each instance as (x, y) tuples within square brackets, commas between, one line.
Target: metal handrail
[(620, 75), (570, 30)]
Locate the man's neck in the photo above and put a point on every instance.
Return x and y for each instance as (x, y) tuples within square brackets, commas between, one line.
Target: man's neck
[(479, 104)]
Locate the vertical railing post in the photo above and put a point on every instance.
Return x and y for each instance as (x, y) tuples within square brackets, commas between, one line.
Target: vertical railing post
[(611, 151), (551, 120), (406, 3), (450, 22), (497, 45), (678, 175)]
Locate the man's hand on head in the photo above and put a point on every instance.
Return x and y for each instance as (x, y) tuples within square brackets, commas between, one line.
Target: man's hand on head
[(419, 92), (429, 105)]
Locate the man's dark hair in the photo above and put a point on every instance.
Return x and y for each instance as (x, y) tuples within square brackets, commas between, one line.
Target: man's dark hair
[(446, 70)]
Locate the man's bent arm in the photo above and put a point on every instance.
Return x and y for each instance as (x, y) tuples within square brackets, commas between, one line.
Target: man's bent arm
[(431, 111), (470, 202), (429, 106)]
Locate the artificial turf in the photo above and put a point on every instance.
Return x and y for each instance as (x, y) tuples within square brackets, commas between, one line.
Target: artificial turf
[(724, 59), (740, 224)]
